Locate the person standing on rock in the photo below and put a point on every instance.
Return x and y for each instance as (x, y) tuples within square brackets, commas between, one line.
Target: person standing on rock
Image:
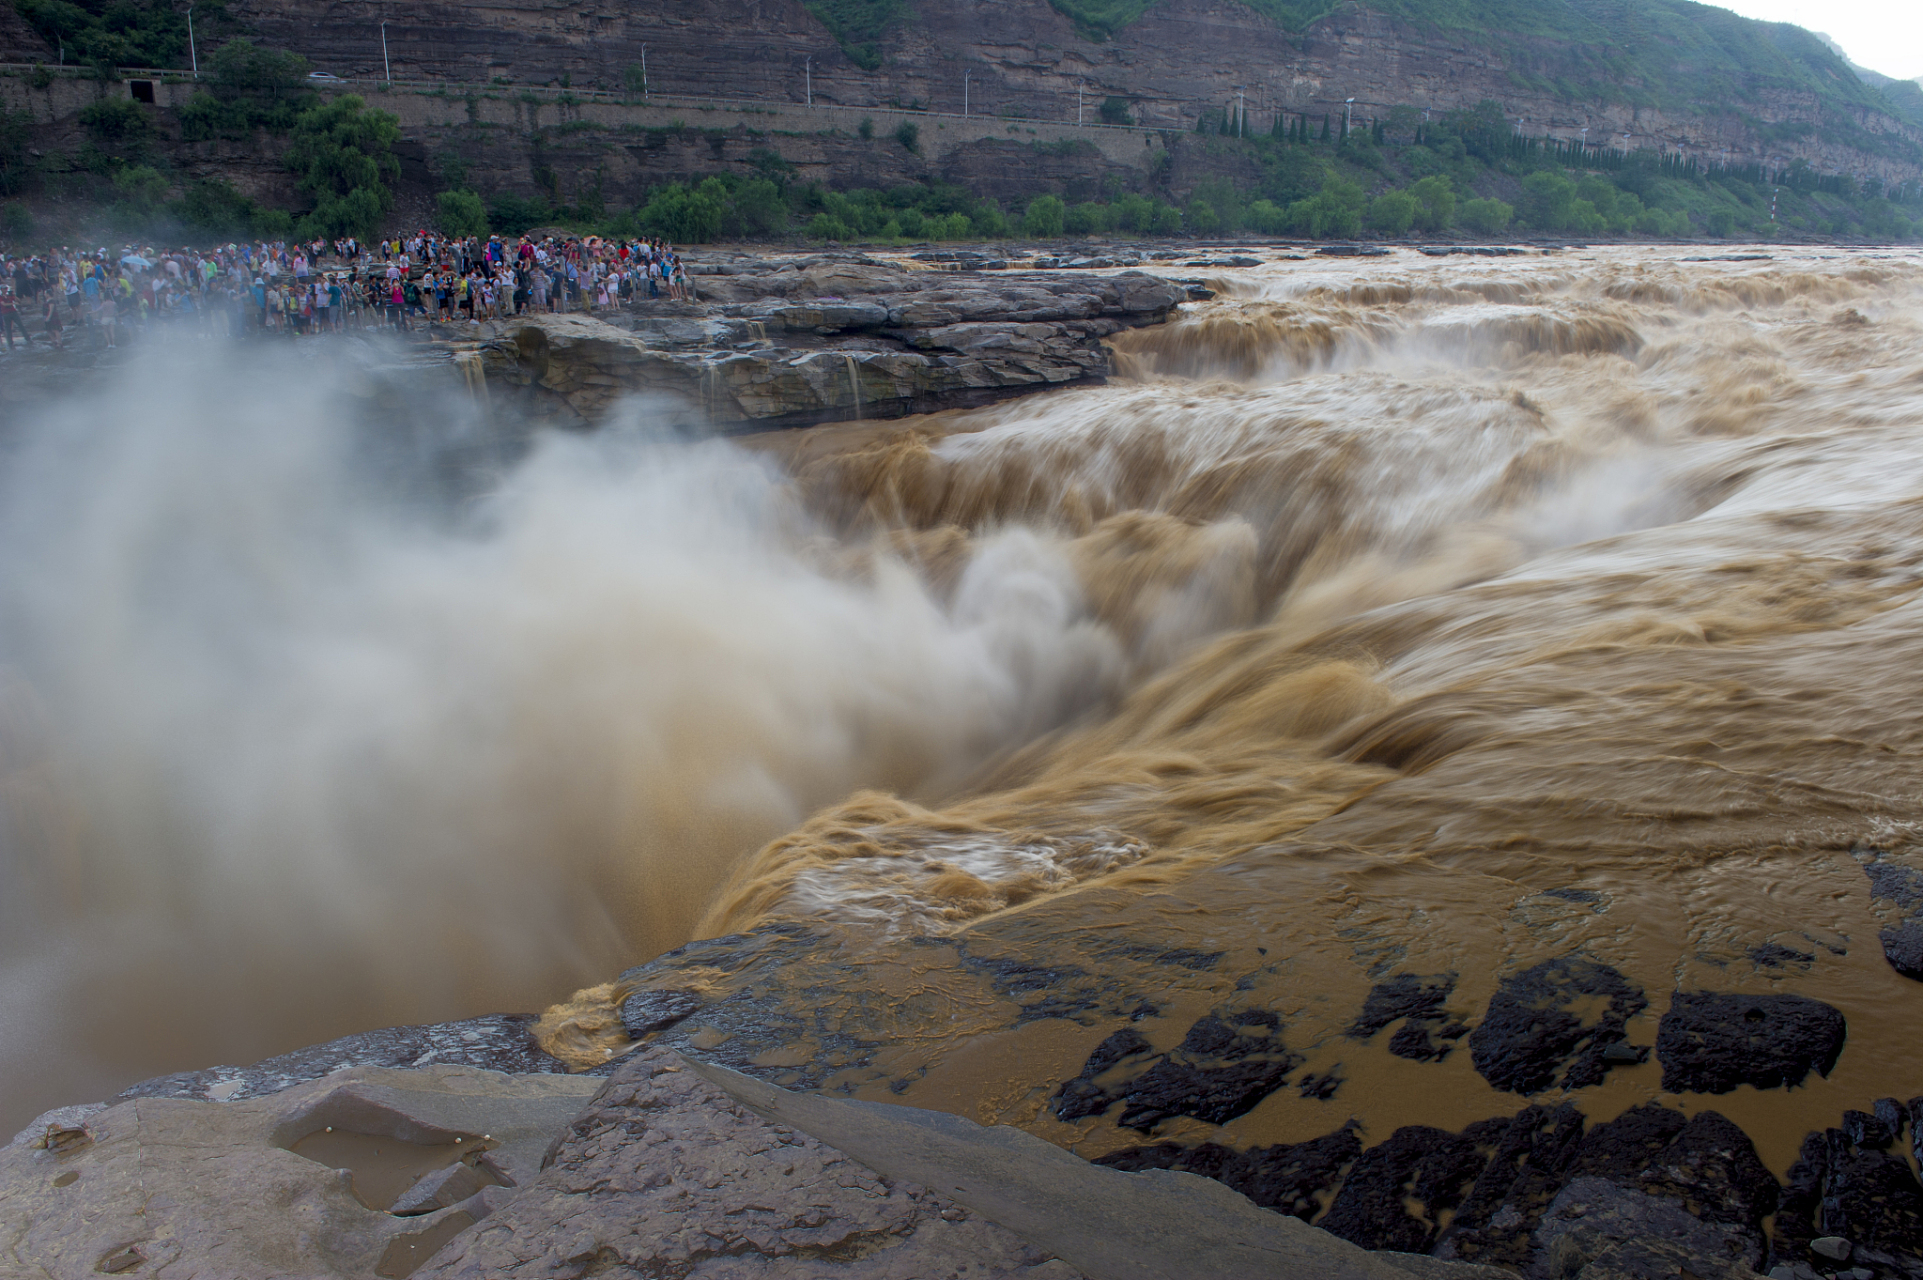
[(10, 316)]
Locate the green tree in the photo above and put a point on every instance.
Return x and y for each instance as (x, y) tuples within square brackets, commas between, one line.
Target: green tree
[(1089, 218), (16, 220), (685, 216), (1435, 202), (825, 226), (141, 187), (909, 135), (1044, 217), (1268, 217), (1115, 110), (115, 121), (1393, 212), (1548, 201), (1490, 217), (759, 209), (215, 206), (1201, 217), (460, 213), (342, 155), (1334, 211)]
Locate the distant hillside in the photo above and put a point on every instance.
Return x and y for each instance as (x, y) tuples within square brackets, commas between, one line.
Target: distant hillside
[(1658, 75)]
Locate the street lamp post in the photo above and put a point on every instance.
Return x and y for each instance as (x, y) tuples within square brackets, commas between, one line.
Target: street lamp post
[(644, 73), (965, 95), (1348, 111), (1078, 103), (386, 66), (1241, 115), (192, 49), (808, 78)]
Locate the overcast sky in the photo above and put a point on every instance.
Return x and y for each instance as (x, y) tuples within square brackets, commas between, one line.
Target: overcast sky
[(1883, 35)]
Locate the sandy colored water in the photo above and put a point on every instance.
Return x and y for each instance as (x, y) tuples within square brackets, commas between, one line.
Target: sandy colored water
[(1397, 615), (1441, 585)]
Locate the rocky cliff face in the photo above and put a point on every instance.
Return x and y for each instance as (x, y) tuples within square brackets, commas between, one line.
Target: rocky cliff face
[(826, 339), (1023, 58)]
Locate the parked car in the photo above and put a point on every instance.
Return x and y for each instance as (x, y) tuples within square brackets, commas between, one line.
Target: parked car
[(322, 75)]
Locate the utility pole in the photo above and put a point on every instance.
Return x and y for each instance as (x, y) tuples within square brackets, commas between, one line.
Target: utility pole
[(644, 73), (1585, 140), (1078, 103), (964, 95), (808, 74), (192, 49), (1348, 109), (1241, 114), (385, 64)]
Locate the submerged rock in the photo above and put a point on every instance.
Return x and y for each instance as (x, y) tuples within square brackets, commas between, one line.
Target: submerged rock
[(1220, 1070), (1418, 1003)]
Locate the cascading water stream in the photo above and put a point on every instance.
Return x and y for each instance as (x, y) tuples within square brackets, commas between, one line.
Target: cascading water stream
[(1405, 593)]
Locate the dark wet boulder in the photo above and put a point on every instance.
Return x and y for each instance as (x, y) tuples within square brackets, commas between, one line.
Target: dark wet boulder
[(1427, 1028), (1082, 1096), (1867, 1196), (1289, 1178), (1903, 947), (496, 1042), (1899, 889), (1220, 1070), (1534, 1034), (1399, 1191), (1598, 1229), (1704, 1166), (1530, 1154), (647, 1011), (1774, 955), (1710, 1041)]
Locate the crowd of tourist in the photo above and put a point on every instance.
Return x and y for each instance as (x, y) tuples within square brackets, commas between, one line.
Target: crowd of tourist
[(319, 287)]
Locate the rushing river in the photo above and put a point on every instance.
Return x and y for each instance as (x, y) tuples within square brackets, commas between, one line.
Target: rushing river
[(1428, 615)]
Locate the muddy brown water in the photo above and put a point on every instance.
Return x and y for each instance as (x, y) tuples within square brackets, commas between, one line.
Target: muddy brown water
[(1474, 614), (1401, 615)]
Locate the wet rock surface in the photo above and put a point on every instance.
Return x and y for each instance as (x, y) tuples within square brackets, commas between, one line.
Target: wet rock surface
[(1428, 1032), (1534, 1035), (1711, 1042), (1849, 1189), (1599, 1230), (1292, 1178), (1222, 1068), (1399, 1191), (665, 1174), (1898, 890), (495, 1042), (363, 1173), (824, 339)]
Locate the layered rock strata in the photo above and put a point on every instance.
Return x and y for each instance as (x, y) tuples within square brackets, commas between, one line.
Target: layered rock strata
[(814, 340)]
